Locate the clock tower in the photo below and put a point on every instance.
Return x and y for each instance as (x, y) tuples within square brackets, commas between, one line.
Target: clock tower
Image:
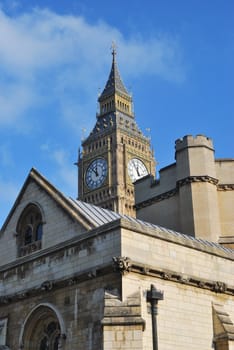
[(116, 153)]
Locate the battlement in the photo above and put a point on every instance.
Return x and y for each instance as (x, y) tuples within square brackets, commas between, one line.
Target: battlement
[(193, 141)]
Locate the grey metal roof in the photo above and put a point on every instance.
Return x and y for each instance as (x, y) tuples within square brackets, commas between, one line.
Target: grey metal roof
[(114, 82), (97, 215), (100, 216)]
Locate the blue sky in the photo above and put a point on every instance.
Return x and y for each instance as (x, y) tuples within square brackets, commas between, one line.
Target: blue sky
[(176, 57)]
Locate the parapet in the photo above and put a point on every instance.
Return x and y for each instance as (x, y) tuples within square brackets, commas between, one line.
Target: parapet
[(193, 141)]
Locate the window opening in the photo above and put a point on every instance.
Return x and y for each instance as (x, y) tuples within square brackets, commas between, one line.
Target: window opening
[(30, 230)]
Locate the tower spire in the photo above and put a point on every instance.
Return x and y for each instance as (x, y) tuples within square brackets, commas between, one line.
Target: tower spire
[(115, 94), (114, 50)]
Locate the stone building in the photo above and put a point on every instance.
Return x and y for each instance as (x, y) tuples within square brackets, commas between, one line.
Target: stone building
[(76, 275), (197, 192)]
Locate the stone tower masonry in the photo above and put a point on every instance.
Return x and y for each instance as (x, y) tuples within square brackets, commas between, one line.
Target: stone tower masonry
[(197, 183)]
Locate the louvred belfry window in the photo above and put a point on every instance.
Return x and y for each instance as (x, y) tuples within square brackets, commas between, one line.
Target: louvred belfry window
[(29, 230)]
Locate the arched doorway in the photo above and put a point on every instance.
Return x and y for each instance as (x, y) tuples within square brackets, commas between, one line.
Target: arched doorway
[(42, 330)]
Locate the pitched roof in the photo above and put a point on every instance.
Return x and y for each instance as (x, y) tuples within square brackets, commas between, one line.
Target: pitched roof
[(101, 216), (63, 201), (91, 217)]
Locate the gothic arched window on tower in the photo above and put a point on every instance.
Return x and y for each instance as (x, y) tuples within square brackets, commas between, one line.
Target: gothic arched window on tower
[(29, 230)]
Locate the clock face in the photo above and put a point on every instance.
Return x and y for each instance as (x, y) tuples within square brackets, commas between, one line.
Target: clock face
[(96, 173), (136, 169)]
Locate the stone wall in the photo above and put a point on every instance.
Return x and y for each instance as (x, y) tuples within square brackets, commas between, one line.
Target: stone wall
[(192, 278), (80, 306), (194, 196), (96, 284), (70, 278)]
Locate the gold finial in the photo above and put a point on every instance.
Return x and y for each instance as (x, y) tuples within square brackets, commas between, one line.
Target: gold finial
[(114, 47)]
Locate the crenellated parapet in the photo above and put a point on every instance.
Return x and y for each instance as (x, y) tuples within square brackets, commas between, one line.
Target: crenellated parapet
[(197, 191), (194, 157), (194, 141)]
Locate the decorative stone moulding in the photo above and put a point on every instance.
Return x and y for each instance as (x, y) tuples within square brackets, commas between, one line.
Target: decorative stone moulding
[(180, 183), (191, 179), (47, 285), (158, 198), (226, 187), (122, 264)]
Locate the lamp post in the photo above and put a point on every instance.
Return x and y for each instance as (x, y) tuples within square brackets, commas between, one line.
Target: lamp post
[(152, 297)]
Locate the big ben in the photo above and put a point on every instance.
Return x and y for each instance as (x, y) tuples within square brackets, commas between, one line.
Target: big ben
[(116, 153)]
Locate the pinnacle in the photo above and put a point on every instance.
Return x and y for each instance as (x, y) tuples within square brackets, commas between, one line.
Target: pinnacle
[(114, 82)]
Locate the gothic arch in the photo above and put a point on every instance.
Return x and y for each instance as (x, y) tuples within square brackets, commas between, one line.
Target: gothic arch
[(38, 205), (43, 329), (30, 229)]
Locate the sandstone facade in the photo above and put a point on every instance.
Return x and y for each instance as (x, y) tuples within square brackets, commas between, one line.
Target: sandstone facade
[(195, 195), (86, 286)]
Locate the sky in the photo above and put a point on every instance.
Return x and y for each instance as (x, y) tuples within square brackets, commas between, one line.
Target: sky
[(175, 57)]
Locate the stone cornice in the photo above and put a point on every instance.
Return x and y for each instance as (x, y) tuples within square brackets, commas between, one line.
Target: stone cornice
[(122, 269), (189, 280), (192, 179), (225, 187), (51, 285), (173, 276), (185, 181), (158, 198)]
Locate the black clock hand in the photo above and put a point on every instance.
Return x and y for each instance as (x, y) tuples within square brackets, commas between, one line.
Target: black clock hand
[(137, 169), (96, 169), (138, 173)]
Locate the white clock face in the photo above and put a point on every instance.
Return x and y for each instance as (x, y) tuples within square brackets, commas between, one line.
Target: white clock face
[(96, 173), (136, 169)]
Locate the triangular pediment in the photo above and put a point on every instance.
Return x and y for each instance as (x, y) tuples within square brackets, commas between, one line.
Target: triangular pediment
[(63, 202), (42, 217)]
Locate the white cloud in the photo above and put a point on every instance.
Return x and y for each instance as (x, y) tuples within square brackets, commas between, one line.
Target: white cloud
[(15, 99), (158, 56), (66, 175), (46, 57)]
